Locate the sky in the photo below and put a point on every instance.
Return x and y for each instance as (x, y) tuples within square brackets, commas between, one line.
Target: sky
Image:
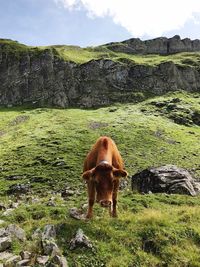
[(94, 22)]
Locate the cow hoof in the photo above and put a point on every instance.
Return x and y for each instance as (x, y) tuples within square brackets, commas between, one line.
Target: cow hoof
[(114, 215), (88, 216)]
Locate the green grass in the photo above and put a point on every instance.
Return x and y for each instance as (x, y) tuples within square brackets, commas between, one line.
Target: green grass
[(152, 230), (34, 141), (164, 231)]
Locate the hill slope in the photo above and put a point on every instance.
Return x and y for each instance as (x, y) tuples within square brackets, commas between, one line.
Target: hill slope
[(34, 141), (45, 149)]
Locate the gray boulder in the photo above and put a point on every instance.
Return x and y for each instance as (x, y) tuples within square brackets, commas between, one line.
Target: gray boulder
[(50, 247), (80, 240), (16, 232), (12, 261), (42, 260), (5, 243), (23, 263), (49, 231), (77, 214), (5, 255), (59, 261), (165, 179)]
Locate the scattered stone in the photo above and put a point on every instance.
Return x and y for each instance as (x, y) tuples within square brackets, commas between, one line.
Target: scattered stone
[(60, 261), (18, 189), (37, 234), (34, 200), (42, 260), (15, 231), (14, 177), (196, 186), (165, 179), (76, 214), (48, 243), (2, 206), (67, 193), (5, 243), (23, 263), (84, 206), (59, 163), (80, 240), (12, 261), (178, 112), (13, 205), (5, 255), (176, 100), (25, 255), (50, 247), (3, 232), (49, 231), (7, 212), (51, 203), (113, 109)]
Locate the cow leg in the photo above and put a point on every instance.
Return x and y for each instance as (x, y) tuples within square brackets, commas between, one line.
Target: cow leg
[(114, 199), (91, 199), (114, 210)]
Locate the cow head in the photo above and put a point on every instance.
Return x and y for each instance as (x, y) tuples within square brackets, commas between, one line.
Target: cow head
[(105, 177)]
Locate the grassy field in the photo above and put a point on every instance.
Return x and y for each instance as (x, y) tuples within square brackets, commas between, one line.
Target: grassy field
[(46, 148)]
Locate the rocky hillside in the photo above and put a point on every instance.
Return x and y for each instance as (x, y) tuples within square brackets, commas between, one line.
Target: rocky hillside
[(43, 198), (69, 76), (162, 46)]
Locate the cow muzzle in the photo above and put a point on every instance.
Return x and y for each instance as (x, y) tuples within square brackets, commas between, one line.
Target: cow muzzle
[(105, 203)]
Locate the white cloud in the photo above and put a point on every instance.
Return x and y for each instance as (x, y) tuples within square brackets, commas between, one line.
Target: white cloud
[(140, 17)]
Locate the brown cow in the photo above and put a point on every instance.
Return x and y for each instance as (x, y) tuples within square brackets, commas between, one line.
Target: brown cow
[(102, 169)]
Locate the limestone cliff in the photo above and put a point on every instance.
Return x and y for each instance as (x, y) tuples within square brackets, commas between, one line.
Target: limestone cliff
[(161, 45), (42, 78)]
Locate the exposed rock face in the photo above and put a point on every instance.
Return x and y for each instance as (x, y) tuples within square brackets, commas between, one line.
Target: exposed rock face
[(162, 46), (43, 79), (166, 179)]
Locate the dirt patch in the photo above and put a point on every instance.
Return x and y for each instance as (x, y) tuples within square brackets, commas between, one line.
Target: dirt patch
[(18, 120), (2, 133), (96, 125)]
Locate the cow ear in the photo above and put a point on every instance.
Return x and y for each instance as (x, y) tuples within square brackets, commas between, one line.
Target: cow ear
[(119, 173), (88, 174)]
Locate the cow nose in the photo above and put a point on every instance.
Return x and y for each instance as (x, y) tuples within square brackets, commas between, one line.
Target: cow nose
[(105, 203)]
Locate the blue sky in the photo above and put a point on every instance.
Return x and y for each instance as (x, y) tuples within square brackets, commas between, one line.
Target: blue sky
[(93, 22)]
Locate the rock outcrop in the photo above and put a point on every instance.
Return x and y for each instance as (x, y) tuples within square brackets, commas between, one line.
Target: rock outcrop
[(161, 45), (43, 79), (165, 179)]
